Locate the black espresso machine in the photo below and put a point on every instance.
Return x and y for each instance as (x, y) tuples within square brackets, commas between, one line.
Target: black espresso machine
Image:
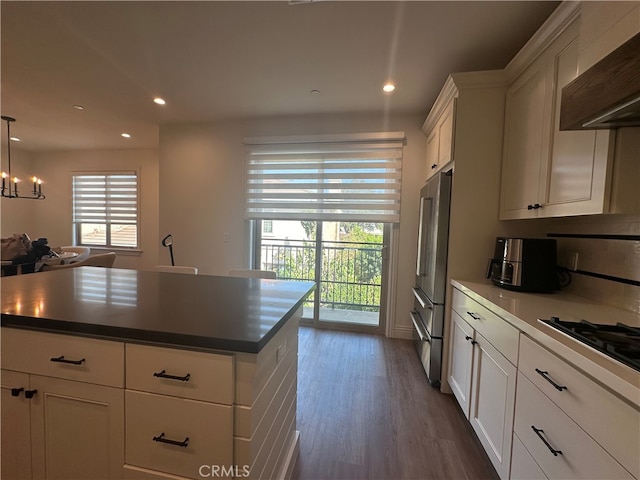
[(524, 264)]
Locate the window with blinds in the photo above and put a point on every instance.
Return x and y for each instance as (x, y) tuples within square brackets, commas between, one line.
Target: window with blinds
[(355, 179), (105, 209)]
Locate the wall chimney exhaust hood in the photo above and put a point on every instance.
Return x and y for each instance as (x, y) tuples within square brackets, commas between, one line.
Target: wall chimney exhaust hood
[(607, 95)]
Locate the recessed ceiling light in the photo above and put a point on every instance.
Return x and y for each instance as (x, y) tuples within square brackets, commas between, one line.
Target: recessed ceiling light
[(15, 139), (159, 101), (315, 92), (78, 107), (389, 87), (125, 135)]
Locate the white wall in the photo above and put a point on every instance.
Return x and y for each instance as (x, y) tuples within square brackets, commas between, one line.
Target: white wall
[(202, 188), (51, 218)]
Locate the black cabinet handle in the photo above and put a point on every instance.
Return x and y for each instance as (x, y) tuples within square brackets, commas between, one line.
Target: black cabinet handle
[(538, 432), (535, 206), (474, 316), (434, 166), (30, 393), (160, 438), (61, 359), (164, 374), (529, 207), (544, 374), (16, 391), (467, 338)]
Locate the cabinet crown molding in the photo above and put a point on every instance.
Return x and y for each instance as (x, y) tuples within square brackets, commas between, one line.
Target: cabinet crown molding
[(557, 22), (460, 81)]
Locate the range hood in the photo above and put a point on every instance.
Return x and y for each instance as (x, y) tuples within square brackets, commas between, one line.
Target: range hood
[(607, 95)]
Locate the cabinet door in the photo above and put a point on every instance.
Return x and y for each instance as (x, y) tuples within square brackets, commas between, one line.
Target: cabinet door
[(16, 427), (461, 360), (493, 395), (432, 152), (77, 430), (579, 170), (445, 134), (525, 142)]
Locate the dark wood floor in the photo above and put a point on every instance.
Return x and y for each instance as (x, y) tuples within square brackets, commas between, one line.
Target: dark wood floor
[(366, 411)]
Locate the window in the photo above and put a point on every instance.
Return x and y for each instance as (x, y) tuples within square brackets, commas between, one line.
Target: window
[(105, 209)]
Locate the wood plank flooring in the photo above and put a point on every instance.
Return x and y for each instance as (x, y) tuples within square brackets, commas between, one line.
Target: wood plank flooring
[(366, 411)]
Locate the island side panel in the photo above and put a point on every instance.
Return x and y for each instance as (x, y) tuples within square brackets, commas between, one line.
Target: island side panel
[(265, 435)]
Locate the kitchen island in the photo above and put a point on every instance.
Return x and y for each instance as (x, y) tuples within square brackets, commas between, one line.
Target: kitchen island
[(113, 373)]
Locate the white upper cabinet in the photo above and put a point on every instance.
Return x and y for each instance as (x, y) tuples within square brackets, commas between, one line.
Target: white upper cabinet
[(547, 172), (551, 173), (439, 127)]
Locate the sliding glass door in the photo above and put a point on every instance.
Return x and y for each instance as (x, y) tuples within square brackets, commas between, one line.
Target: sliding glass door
[(346, 259)]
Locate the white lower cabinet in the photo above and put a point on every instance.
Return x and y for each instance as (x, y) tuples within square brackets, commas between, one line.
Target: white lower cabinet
[(176, 435), (179, 412), (483, 380), (68, 422), (461, 361), (556, 443), (493, 391)]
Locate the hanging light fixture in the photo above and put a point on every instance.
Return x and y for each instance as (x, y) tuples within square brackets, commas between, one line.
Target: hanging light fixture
[(8, 191)]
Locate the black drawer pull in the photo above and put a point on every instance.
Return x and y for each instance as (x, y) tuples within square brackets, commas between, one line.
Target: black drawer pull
[(61, 359), (16, 391), (30, 393), (434, 166), (474, 316), (538, 432), (164, 374), (467, 338), (544, 374), (160, 438)]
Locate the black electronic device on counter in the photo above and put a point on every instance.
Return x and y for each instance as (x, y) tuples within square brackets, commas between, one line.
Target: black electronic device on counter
[(524, 264)]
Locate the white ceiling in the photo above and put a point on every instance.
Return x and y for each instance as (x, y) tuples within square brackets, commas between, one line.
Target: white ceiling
[(214, 60)]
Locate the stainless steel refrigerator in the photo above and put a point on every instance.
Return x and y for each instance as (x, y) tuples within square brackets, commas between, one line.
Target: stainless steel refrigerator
[(431, 273)]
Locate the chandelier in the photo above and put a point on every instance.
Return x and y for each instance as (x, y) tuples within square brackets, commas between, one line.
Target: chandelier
[(7, 190)]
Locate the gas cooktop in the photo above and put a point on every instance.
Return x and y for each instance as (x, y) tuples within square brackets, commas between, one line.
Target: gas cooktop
[(618, 341)]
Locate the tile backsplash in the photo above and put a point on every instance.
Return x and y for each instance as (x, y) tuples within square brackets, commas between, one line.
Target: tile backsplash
[(605, 251)]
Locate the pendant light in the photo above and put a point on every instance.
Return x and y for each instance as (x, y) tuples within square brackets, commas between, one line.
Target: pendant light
[(8, 191)]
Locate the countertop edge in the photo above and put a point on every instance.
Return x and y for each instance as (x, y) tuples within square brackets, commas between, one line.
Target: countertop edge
[(602, 371), (150, 337)]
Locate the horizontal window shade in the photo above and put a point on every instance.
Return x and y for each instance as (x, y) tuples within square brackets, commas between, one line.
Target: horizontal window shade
[(348, 181), (105, 199)]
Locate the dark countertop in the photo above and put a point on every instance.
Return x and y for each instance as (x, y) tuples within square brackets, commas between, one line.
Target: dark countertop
[(195, 311)]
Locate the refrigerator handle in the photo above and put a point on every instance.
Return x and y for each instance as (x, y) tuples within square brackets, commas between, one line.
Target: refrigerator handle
[(423, 234)]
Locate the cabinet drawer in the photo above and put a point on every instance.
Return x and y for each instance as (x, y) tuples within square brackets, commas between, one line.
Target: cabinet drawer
[(616, 426), (523, 466), (205, 430), (498, 332), (577, 454), (180, 373), (63, 356)]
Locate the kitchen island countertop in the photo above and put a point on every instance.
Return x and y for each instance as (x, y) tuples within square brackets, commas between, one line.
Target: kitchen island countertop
[(192, 311)]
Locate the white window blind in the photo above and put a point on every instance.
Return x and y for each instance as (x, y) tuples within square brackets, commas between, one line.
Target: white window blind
[(329, 180), (105, 209)]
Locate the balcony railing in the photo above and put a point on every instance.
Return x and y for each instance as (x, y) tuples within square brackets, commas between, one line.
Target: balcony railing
[(350, 272)]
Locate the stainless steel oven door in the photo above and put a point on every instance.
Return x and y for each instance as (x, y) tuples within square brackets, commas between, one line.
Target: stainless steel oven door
[(429, 349)]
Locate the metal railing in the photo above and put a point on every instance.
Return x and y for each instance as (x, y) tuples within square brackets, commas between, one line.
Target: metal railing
[(350, 273)]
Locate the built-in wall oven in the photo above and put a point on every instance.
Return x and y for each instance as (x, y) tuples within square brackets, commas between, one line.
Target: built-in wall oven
[(427, 314)]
